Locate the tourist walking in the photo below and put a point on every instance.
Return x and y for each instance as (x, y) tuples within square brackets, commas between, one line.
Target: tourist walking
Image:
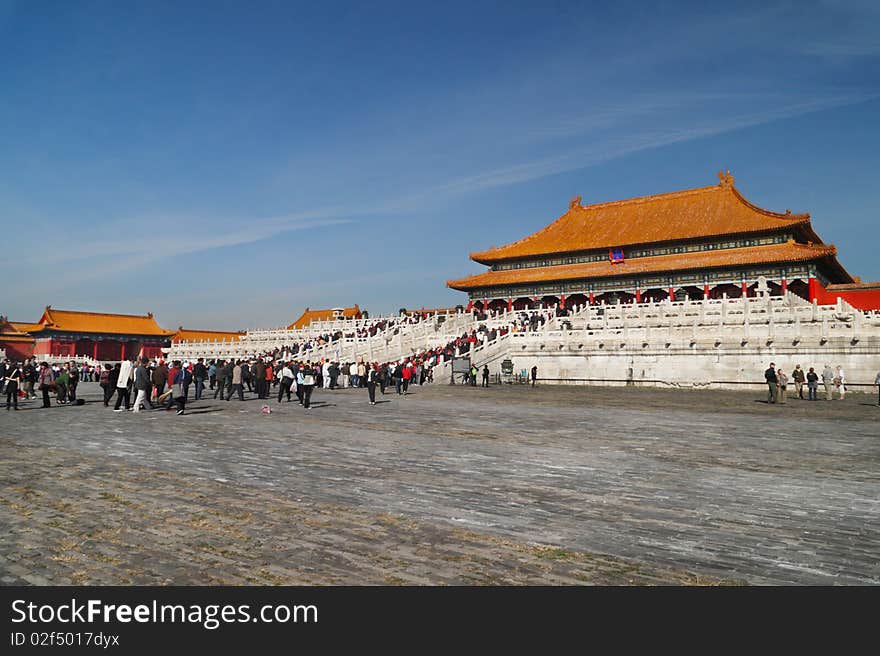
[(287, 379), (143, 385), (46, 381), (212, 374), (827, 381), (159, 378), (406, 375), (812, 385), (772, 382), (840, 383), (199, 374), (798, 377), (308, 385), (123, 389), (372, 379), (30, 377), (12, 379), (104, 383), (534, 375), (237, 374), (221, 374), (781, 384), (181, 382)]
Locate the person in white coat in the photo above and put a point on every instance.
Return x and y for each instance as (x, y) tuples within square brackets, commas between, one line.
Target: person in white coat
[(325, 374), (123, 390), (840, 381)]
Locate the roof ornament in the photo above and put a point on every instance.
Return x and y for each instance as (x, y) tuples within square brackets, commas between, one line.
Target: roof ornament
[(725, 179), (575, 202)]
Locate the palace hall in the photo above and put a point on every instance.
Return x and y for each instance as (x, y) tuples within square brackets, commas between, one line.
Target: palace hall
[(101, 336), (708, 242)]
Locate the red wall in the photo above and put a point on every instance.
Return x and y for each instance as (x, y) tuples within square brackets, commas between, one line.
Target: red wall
[(863, 299), (18, 351)]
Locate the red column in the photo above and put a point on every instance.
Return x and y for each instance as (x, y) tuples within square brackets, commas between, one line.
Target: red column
[(510, 305), (814, 289), (562, 301), (470, 305), (706, 290), (745, 288), (671, 294), (122, 350), (95, 350), (638, 295), (784, 286), (592, 298)]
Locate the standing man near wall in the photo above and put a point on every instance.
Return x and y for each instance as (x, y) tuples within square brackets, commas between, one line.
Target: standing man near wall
[(534, 374), (772, 383), (828, 381)]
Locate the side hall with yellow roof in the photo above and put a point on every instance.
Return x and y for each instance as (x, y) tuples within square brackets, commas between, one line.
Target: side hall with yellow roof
[(98, 335)]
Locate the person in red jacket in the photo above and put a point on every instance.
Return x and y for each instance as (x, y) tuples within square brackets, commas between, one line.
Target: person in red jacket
[(172, 372), (406, 374)]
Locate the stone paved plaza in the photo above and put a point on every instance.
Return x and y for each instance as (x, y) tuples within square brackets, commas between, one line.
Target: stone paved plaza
[(450, 485)]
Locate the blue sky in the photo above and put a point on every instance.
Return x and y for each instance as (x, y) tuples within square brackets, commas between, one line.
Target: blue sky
[(226, 164)]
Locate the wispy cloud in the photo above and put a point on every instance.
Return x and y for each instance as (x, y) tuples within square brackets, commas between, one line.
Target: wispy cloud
[(619, 146)]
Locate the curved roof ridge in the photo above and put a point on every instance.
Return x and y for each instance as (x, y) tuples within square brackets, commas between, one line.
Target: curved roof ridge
[(608, 203), (802, 216), (148, 315), (713, 211)]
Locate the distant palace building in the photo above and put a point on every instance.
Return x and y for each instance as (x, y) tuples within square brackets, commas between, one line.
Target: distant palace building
[(703, 243), (189, 335), (65, 333), (308, 316)]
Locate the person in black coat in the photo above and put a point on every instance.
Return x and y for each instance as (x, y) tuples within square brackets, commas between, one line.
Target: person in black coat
[(772, 383)]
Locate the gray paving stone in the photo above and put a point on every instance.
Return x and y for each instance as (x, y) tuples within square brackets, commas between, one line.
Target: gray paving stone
[(447, 485)]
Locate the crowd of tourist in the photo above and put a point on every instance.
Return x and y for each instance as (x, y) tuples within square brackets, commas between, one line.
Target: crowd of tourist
[(286, 372)]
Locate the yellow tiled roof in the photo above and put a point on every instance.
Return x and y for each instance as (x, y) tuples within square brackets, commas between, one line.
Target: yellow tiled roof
[(99, 322), (184, 334), (308, 316), (714, 211), (774, 253)]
